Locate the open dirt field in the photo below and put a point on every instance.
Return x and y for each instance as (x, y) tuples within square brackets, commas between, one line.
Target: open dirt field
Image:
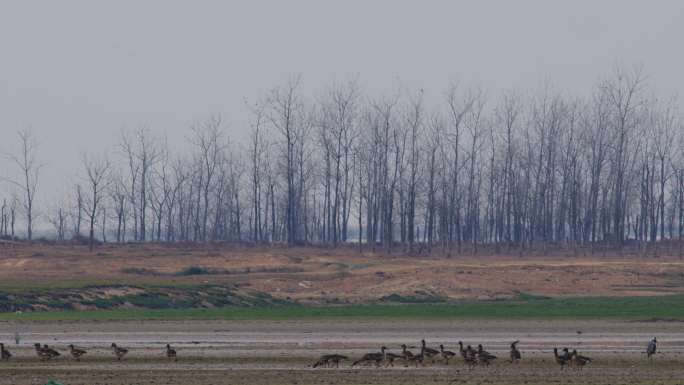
[(269, 352), (343, 275)]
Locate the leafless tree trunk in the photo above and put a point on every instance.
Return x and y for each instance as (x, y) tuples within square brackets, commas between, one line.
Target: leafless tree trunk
[(97, 171), (29, 168)]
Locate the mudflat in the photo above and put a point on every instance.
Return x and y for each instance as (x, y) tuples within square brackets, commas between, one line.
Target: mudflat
[(282, 352)]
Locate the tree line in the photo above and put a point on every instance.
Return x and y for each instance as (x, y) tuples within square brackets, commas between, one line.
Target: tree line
[(387, 173)]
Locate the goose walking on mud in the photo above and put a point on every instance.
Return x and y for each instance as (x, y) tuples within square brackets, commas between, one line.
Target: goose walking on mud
[(76, 353), (484, 357), (171, 353), (516, 356), (446, 354), (579, 361), (652, 348), (428, 352), (375, 358), (561, 360), (5, 355), (118, 351)]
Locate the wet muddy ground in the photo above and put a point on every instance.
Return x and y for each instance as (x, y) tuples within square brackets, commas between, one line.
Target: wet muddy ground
[(270, 352)]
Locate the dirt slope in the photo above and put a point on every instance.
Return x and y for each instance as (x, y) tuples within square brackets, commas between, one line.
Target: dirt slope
[(317, 275)]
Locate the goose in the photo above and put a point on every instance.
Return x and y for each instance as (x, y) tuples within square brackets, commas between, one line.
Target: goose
[(515, 353), (652, 347), (377, 358), (560, 360), (5, 355), (323, 360), (579, 361), (42, 354), (51, 353), (326, 359), (483, 356), (463, 352), (408, 356), (566, 354), (429, 352), (417, 358), (76, 353), (405, 352), (336, 358), (390, 357), (446, 354), (171, 353), (468, 354), (119, 352)]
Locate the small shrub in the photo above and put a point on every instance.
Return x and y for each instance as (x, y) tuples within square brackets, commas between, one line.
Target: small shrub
[(427, 298), (139, 271), (194, 270)]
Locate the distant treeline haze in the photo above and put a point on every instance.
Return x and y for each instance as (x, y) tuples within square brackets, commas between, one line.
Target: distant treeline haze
[(389, 171)]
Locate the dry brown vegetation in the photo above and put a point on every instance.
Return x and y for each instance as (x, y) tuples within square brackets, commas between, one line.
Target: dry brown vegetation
[(318, 275)]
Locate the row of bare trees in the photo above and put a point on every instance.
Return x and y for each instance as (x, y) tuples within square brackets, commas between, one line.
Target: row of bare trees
[(390, 172)]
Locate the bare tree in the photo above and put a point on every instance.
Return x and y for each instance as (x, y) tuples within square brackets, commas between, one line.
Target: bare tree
[(285, 112), (58, 219), (29, 168), (623, 94), (97, 170), (118, 196), (530, 172), (141, 151), (210, 144), (79, 211), (258, 147)]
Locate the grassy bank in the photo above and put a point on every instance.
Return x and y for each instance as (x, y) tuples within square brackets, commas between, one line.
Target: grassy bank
[(525, 307)]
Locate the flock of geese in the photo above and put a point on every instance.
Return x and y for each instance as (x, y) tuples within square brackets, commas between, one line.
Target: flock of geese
[(46, 353), (471, 357)]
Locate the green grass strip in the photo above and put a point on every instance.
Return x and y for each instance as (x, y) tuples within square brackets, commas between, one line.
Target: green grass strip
[(525, 307)]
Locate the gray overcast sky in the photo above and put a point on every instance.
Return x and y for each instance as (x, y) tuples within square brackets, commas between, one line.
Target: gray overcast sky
[(78, 71)]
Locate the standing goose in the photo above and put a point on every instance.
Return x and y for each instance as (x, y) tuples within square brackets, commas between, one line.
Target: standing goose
[(579, 361), (44, 352), (468, 354), (390, 357), (171, 353), (119, 352), (5, 355), (405, 352), (446, 354), (376, 358), (407, 355), (515, 353), (417, 358), (652, 348), (566, 354), (560, 360), (428, 352), (41, 353), (51, 353), (76, 353), (463, 352), (483, 356)]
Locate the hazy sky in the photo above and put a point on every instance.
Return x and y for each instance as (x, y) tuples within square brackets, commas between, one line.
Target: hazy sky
[(79, 71)]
